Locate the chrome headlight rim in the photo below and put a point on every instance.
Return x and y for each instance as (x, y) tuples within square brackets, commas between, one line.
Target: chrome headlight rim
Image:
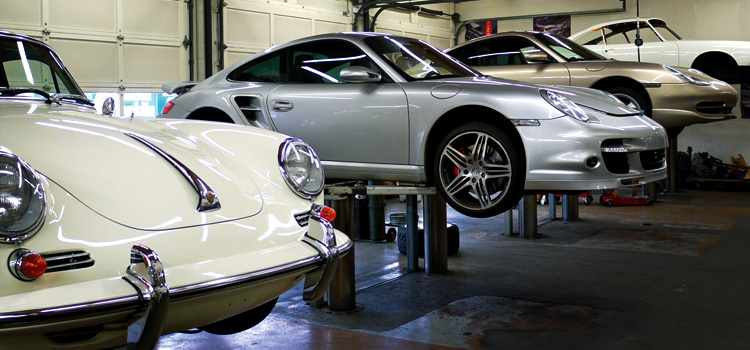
[(31, 221), (565, 105), (315, 187), (684, 77)]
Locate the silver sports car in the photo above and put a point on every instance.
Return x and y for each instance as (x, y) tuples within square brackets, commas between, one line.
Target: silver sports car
[(382, 107)]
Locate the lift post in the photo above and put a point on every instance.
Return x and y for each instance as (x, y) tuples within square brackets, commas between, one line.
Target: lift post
[(341, 294)]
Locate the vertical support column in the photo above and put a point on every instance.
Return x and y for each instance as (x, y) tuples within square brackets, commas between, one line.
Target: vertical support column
[(570, 207), (527, 216), (508, 216), (341, 293), (376, 206), (552, 206), (672, 164), (435, 235), (412, 230), (652, 190)]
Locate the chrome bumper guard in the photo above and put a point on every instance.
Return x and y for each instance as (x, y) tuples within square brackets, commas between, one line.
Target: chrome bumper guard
[(146, 274), (317, 282), (152, 289)]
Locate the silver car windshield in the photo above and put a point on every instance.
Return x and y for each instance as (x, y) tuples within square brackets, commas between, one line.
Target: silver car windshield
[(416, 59), (31, 70), (572, 51)]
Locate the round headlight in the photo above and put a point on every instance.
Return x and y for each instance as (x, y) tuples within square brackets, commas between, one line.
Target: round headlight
[(22, 199), (301, 168)]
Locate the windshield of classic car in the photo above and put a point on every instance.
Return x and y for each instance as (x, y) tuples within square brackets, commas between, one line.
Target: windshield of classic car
[(570, 50), (27, 67), (416, 59)]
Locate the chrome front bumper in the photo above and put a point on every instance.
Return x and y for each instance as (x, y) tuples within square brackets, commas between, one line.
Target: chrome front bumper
[(146, 311)]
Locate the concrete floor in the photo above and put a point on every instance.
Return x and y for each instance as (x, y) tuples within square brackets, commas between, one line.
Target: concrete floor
[(672, 276)]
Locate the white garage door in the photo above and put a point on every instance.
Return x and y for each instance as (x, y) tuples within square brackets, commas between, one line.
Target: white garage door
[(119, 46), (253, 26)]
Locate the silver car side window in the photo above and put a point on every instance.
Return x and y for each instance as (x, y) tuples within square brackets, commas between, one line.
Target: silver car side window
[(323, 61)]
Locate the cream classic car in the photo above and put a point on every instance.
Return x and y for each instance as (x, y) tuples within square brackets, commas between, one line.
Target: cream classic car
[(116, 231), (722, 59)]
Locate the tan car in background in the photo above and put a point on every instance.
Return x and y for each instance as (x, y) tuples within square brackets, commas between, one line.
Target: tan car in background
[(673, 96)]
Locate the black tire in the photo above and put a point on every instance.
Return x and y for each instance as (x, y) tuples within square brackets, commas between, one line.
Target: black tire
[(632, 99), (588, 200), (241, 322), (454, 240), (479, 181)]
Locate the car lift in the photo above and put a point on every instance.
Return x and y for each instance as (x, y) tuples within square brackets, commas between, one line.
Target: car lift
[(340, 197)]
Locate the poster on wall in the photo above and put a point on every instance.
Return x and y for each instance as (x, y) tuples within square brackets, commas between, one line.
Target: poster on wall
[(553, 24), (476, 30)]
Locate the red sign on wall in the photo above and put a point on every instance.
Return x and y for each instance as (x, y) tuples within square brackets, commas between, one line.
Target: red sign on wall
[(487, 28)]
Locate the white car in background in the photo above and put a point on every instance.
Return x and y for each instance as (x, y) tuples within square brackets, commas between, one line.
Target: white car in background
[(725, 60)]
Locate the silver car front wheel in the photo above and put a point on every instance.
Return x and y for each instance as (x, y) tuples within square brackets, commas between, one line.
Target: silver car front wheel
[(480, 170)]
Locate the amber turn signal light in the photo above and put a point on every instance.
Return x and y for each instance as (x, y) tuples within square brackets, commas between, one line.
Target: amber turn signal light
[(328, 213), (27, 265)]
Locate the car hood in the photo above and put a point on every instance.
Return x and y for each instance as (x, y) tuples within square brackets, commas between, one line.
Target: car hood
[(643, 72), (121, 178), (587, 97)]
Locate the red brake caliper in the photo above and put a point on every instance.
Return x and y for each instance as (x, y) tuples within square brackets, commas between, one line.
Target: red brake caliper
[(456, 170)]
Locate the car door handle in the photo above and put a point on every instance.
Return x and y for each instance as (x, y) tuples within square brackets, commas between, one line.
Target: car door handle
[(282, 106)]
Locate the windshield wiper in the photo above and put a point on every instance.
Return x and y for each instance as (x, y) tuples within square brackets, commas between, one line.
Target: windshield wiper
[(48, 98), (443, 76), (18, 91), (76, 98)]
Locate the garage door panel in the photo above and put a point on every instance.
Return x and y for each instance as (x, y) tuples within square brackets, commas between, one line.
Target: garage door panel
[(248, 28), (323, 27), (235, 56), (291, 28), (85, 15), (151, 17), (23, 12), (97, 67), (151, 63), (441, 43)]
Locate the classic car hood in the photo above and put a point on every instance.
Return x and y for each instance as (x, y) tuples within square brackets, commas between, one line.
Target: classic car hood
[(587, 97), (120, 177)]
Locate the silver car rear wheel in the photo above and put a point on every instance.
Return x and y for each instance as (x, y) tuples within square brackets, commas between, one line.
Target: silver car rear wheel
[(480, 170)]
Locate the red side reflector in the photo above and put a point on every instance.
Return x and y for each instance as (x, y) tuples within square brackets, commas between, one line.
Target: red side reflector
[(167, 107), (33, 266), (328, 213)]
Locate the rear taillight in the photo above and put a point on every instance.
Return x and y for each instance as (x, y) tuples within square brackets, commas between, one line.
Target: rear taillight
[(167, 107)]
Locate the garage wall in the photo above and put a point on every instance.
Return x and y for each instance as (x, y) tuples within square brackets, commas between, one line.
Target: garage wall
[(108, 45), (695, 19), (251, 26)]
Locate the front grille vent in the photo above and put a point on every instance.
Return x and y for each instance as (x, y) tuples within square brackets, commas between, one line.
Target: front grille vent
[(655, 159), (714, 108), (69, 260), (302, 218), (616, 162)]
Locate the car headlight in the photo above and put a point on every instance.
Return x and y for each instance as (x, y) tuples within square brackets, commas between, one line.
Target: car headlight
[(565, 105), (686, 78), (22, 199), (301, 168)]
